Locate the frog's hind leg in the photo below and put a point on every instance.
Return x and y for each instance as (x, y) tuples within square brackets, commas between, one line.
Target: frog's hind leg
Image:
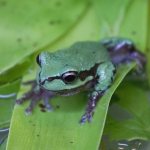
[(122, 50)]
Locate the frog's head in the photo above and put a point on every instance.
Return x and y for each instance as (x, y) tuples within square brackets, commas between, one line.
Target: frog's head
[(58, 73)]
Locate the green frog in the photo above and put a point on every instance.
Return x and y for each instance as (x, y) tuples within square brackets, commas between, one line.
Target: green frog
[(84, 66)]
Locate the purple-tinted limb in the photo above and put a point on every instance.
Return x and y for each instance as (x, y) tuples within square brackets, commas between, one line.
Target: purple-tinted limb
[(92, 102), (35, 95), (123, 51)]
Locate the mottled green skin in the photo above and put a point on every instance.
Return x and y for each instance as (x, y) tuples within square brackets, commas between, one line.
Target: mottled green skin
[(79, 57)]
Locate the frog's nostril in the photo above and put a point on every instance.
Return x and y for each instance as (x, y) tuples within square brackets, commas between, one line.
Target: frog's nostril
[(50, 79)]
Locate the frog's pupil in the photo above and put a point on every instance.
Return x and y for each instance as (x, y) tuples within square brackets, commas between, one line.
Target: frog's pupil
[(69, 77)]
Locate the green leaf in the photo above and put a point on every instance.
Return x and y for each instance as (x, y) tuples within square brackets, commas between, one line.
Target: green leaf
[(148, 44), (44, 130), (88, 25), (8, 94), (121, 18), (33, 25), (23, 34), (13, 74), (134, 101)]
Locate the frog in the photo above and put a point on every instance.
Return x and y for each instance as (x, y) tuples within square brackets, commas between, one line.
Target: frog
[(84, 66)]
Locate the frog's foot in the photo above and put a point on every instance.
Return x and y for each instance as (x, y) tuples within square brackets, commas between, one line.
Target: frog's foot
[(35, 95), (33, 103)]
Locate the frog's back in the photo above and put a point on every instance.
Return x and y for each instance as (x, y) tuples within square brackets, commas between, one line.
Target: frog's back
[(89, 51), (81, 55), (87, 54)]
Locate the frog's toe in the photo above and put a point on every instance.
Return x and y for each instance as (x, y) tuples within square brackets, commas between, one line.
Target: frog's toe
[(90, 116), (83, 119), (19, 101), (49, 108), (32, 105), (27, 96), (28, 111), (87, 117), (47, 104)]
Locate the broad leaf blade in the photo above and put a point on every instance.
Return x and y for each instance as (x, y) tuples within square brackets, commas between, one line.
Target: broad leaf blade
[(60, 128), (125, 18), (8, 93), (27, 26)]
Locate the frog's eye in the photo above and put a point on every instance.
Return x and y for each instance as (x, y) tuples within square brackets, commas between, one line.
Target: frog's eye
[(69, 77), (38, 60)]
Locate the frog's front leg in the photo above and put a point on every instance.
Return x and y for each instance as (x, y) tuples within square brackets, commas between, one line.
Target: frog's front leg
[(105, 76), (35, 95)]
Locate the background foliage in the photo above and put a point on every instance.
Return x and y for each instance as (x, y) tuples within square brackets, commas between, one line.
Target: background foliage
[(28, 27)]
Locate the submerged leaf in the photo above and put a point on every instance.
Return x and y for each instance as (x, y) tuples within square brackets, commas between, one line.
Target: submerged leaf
[(8, 93), (3, 145), (134, 101)]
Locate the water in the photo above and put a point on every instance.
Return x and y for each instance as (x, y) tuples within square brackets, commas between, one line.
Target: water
[(7, 96), (3, 134), (124, 144), (6, 110)]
